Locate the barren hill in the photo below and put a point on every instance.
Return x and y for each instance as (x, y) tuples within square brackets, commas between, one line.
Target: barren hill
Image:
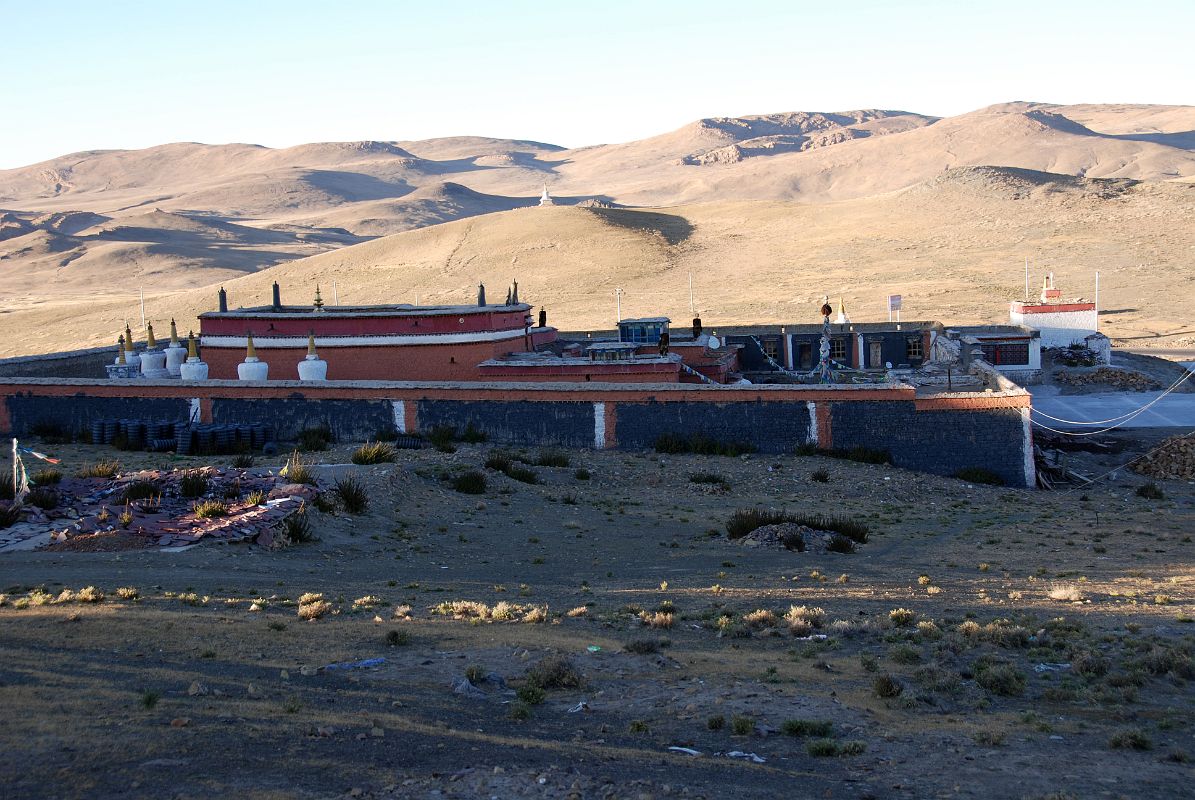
[(953, 246), (768, 211)]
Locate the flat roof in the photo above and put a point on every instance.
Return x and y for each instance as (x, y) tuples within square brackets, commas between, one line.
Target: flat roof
[(643, 319), (397, 310)]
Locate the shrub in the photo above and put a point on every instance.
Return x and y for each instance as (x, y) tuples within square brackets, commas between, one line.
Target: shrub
[(128, 593), (552, 458), (716, 722), (297, 471), (442, 437), (904, 654), (233, 490), (312, 606), (820, 476), (50, 432), (1130, 739), (43, 497), (555, 672), (139, 490), (351, 494), (297, 527), (256, 498), (659, 619), (711, 478), (46, 477), (10, 515), (471, 482), (642, 647), (149, 699), (979, 475), (192, 484), (315, 439), (795, 542), (499, 462), (850, 528), (805, 449), (89, 594), (745, 520), (887, 686), (209, 509), (243, 461), (530, 694), (700, 444), (901, 617), (1150, 491), (100, 469), (999, 678), (472, 435), (807, 727), (397, 638), (522, 474), (742, 725), (840, 544), (373, 453), (581, 474), (802, 619), (824, 748)]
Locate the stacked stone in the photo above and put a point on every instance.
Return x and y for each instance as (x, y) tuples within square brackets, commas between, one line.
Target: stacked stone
[(1108, 376), (1175, 459)]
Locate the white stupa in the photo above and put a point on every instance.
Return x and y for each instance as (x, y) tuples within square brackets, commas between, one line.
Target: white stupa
[(193, 369), (545, 199), (252, 368), (312, 368)]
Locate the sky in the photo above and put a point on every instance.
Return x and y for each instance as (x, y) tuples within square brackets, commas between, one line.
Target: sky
[(122, 74)]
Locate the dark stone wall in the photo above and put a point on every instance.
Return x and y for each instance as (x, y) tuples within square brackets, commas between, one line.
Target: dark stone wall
[(348, 420), (770, 427), (75, 414), (515, 422), (77, 364), (941, 442)]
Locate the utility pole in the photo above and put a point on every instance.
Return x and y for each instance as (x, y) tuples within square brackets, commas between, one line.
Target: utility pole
[(143, 308), (692, 302), (1097, 299), (618, 302), (1026, 279)]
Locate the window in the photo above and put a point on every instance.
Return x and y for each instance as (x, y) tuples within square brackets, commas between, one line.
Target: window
[(913, 348), (771, 348), (1002, 353), (838, 349)]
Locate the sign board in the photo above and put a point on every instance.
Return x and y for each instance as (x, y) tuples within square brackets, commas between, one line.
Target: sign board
[(894, 302)]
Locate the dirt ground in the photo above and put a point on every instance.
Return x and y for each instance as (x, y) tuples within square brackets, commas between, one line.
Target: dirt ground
[(1044, 648)]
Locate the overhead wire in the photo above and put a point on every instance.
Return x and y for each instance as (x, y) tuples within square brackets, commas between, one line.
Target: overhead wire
[(1120, 420), (1187, 374), (1130, 462)]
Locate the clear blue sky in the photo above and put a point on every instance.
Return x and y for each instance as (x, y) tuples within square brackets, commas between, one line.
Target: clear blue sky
[(117, 74)]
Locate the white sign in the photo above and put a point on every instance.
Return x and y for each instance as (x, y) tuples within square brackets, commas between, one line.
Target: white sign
[(894, 302)]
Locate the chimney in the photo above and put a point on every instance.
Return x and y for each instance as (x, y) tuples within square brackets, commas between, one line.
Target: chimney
[(277, 297), (543, 317), (223, 300), (696, 327)]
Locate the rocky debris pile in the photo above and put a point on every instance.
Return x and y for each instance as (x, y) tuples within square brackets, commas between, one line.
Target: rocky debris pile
[(165, 508), (789, 536), (1123, 379), (1174, 459)]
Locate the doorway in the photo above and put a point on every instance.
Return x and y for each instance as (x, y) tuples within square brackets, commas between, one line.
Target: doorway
[(876, 354)]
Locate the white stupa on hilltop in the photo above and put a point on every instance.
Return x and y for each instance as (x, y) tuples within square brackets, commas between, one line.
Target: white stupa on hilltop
[(545, 199)]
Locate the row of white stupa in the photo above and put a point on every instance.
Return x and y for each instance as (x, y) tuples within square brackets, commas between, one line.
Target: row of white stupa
[(176, 361)]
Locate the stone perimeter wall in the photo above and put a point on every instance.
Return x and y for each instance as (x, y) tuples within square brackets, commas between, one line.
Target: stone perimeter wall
[(939, 434)]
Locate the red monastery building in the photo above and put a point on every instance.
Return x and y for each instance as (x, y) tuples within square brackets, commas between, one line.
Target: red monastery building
[(483, 342)]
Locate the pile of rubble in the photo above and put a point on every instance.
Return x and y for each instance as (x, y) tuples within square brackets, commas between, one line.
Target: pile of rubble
[(1173, 459), (785, 535), (1123, 379), (111, 514)]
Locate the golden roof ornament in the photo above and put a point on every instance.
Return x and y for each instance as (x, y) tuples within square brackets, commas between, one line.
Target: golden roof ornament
[(192, 352), (128, 338), (120, 350), (250, 350), (318, 303), (311, 345), (173, 333), (150, 342)]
